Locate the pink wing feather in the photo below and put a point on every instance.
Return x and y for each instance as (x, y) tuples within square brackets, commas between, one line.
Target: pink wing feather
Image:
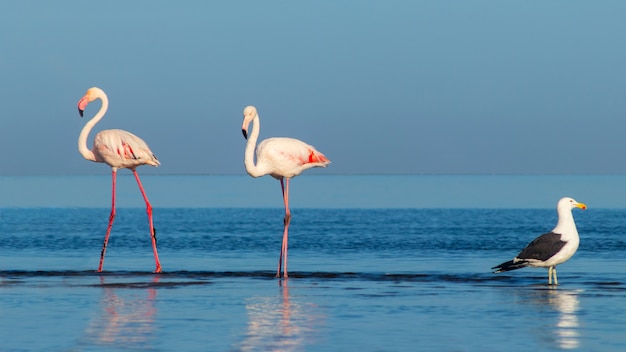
[(122, 149), (288, 157)]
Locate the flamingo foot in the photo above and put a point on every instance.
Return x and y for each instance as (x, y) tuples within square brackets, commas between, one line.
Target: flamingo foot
[(282, 276)]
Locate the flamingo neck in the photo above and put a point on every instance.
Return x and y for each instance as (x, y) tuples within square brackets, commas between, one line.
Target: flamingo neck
[(251, 168), (84, 133)]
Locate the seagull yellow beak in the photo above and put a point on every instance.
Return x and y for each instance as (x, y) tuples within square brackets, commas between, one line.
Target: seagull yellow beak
[(581, 206)]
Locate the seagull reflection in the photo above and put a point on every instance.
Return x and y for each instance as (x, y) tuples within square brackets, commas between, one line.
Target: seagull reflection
[(566, 329), (562, 328), (126, 319), (278, 323)]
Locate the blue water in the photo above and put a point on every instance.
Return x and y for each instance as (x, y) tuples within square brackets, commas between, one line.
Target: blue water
[(361, 278), (316, 191)]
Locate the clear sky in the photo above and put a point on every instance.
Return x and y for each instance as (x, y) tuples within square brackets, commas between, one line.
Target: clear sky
[(378, 86)]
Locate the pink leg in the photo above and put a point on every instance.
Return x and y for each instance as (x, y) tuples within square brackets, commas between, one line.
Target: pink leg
[(286, 308), (280, 258), (111, 218), (283, 250), (152, 232)]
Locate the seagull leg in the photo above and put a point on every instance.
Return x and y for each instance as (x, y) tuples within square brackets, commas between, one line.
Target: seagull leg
[(550, 275), (111, 218), (152, 231), (556, 282)]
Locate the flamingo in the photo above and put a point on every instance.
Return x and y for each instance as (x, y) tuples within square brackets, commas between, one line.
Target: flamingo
[(119, 149), (282, 158)]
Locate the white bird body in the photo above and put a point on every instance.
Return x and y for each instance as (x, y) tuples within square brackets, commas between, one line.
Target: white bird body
[(281, 158), (566, 227), (117, 148), (122, 149), (284, 157)]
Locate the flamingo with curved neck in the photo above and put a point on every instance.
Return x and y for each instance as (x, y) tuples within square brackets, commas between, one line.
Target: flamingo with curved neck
[(119, 149), (281, 158)]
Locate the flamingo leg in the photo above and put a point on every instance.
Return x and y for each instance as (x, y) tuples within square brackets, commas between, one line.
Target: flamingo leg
[(111, 218), (282, 260), (152, 231)]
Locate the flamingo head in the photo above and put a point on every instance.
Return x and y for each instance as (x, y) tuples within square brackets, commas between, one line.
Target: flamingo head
[(92, 94), (249, 113)]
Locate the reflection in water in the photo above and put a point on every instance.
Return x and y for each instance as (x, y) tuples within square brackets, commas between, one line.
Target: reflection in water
[(565, 331), (127, 316), (278, 323)]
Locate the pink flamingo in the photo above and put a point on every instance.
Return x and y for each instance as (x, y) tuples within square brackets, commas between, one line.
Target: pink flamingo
[(281, 158), (119, 149)]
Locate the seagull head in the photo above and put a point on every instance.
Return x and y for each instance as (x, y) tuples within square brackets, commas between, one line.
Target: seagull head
[(570, 203)]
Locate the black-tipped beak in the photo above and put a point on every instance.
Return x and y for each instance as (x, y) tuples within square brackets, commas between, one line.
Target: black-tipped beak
[(245, 134), (80, 112)]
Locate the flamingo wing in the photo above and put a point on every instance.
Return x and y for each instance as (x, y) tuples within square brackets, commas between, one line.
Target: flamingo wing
[(122, 149), (288, 157)]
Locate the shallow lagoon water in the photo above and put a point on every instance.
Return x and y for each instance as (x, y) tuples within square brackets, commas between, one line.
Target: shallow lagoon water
[(368, 279), (243, 311)]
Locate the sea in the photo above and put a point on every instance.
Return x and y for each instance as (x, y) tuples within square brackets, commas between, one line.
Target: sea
[(376, 263)]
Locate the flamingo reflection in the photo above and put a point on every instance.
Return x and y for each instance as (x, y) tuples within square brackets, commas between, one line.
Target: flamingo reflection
[(278, 323), (127, 316)]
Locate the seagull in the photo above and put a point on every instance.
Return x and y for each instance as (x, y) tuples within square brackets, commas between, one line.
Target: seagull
[(552, 248)]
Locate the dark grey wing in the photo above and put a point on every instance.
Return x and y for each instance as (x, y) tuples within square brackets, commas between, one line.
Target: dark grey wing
[(542, 247)]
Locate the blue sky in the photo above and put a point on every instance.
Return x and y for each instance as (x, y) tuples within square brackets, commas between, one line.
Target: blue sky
[(380, 87)]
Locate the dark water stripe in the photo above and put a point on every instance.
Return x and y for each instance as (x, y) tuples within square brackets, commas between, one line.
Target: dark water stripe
[(188, 278), (253, 274)]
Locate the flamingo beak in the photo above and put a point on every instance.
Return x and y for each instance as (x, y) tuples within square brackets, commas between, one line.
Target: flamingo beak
[(245, 133), (82, 103)]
